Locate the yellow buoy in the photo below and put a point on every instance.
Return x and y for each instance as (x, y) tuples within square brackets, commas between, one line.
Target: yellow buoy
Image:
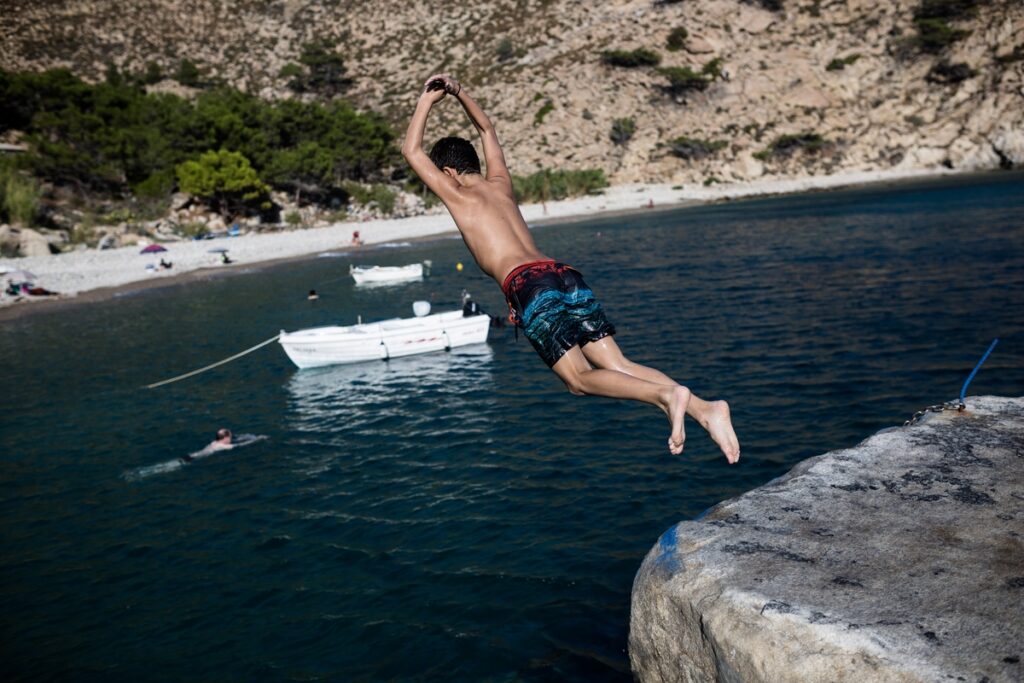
[(458, 266)]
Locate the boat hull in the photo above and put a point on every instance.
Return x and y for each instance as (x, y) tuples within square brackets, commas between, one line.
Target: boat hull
[(393, 338), (378, 275)]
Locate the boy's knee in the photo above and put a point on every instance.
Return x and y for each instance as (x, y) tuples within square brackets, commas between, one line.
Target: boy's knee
[(575, 386)]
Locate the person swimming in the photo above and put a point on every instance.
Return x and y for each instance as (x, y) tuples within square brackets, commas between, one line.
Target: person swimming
[(223, 442)]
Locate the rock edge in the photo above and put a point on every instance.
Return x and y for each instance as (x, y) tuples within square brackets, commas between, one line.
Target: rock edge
[(901, 559)]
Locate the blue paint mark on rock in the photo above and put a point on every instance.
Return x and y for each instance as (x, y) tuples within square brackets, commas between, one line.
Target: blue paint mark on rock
[(666, 559)]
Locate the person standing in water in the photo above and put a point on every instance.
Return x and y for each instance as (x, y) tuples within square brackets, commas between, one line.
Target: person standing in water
[(547, 299)]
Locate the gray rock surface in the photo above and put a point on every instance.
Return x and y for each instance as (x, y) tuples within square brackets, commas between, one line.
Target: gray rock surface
[(32, 243), (901, 559)]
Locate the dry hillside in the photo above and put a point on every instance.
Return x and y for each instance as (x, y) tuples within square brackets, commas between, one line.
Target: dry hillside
[(537, 67)]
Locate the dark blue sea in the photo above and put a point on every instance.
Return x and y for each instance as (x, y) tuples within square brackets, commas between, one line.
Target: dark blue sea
[(460, 516)]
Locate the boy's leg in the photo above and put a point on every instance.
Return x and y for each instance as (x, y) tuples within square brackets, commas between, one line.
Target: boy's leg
[(711, 415), (583, 379)]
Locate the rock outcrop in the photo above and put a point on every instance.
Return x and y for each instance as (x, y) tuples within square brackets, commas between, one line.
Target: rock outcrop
[(33, 243), (901, 559), (880, 108)]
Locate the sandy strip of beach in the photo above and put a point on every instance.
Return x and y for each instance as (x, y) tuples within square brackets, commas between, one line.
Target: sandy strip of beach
[(92, 275)]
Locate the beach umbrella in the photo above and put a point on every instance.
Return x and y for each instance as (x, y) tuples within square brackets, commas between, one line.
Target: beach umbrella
[(19, 275), (217, 250), (153, 249)]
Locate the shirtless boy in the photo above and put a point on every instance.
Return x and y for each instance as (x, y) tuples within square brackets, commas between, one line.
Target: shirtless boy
[(548, 300)]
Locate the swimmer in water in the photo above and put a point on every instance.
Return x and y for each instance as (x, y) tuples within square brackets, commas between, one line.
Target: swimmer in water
[(223, 442)]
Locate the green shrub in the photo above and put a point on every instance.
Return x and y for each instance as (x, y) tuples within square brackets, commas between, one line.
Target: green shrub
[(538, 118), (19, 197), (713, 69), (324, 73), (946, 9), (192, 229), (934, 35), (677, 39), (945, 73), (293, 218), (840, 63), (631, 59), (932, 17), (786, 145), (548, 185), (622, 130), (695, 148), (683, 79), (156, 186), (225, 179), (914, 120), (381, 195), (505, 50), (294, 74), (188, 74), (770, 5), (152, 74)]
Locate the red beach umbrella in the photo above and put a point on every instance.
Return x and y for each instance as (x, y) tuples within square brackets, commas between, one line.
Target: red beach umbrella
[(153, 249)]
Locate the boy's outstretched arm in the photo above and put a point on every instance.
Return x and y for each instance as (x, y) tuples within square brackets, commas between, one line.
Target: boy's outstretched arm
[(412, 148), (493, 156)]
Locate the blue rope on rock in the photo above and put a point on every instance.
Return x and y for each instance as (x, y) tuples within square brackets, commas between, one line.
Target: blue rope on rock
[(963, 389)]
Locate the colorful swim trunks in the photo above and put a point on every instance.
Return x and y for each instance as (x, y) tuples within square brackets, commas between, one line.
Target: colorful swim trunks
[(555, 308)]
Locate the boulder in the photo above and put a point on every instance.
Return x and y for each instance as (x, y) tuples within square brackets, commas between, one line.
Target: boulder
[(807, 96), (9, 240), (700, 45), (972, 155), (1008, 143), (897, 560), (754, 20), (32, 243)]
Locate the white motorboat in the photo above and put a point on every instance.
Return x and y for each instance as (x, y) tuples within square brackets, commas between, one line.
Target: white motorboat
[(366, 275), (392, 338)]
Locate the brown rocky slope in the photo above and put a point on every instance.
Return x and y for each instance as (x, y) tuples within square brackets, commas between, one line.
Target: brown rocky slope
[(536, 65)]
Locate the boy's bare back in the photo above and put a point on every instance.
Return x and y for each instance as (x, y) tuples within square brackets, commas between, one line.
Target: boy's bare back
[(483, 206)]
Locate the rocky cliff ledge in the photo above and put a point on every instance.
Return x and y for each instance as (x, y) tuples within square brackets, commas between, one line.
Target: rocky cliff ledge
[(901, 559)]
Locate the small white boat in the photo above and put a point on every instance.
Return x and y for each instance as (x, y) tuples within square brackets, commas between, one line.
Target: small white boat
[(392, 338), (365, 275)]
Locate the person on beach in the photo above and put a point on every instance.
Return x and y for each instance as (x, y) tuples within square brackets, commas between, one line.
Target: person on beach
[(547, 299)]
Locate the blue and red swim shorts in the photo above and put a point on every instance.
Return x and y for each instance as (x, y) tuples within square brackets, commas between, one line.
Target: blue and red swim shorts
[(555, 308)]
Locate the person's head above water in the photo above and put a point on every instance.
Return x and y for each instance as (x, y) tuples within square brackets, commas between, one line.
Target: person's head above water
[(223, 433), (457, 154)]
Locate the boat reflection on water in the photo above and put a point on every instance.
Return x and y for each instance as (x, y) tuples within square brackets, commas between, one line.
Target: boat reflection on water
[(403, 391)]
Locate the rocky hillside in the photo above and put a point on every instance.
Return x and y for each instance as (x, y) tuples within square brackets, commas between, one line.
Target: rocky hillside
[(801, 86)]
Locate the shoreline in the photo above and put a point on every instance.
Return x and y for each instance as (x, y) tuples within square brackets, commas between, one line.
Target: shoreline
[(89, 276)]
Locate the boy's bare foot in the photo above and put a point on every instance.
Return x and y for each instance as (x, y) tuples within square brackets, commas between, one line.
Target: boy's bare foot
[(719, 425), (678, 400)]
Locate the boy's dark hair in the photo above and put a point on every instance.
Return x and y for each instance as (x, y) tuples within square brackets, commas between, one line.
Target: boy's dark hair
[(457, 153)]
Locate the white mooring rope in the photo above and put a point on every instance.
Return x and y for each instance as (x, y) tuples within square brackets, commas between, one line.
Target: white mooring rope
[(213, 365)]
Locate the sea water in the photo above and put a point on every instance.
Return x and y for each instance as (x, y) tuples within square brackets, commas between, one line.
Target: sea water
[(460, 516)]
